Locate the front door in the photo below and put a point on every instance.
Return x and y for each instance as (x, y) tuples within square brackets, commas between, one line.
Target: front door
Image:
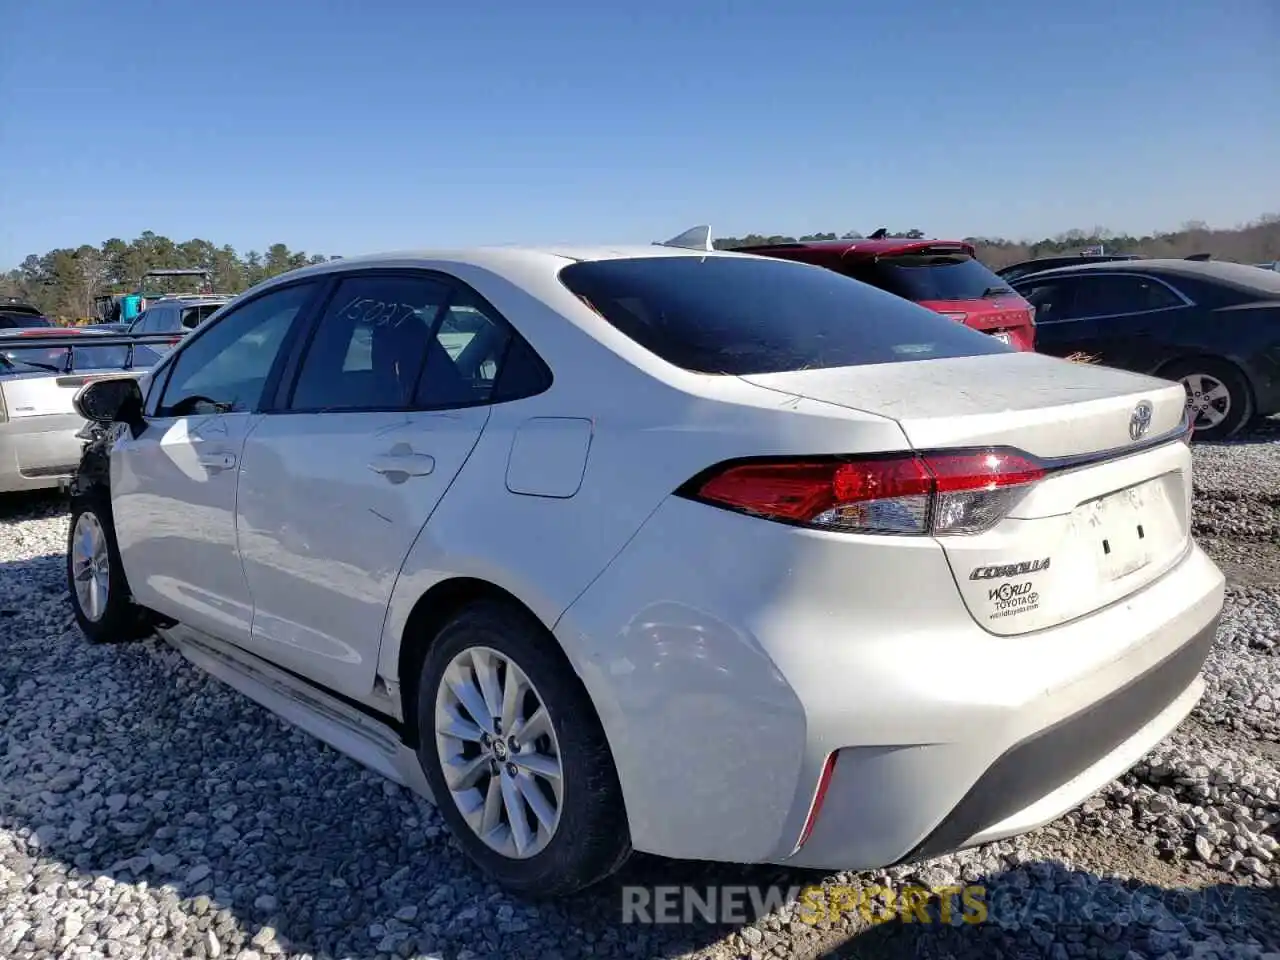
[(173, 487), (337, 484)]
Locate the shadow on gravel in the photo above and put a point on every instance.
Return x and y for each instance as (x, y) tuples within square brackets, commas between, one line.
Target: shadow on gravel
[(192, 819), (32, 505), (1259, 431)]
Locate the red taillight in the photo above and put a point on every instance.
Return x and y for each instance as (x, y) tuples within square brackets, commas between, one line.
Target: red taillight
[(962, 492)]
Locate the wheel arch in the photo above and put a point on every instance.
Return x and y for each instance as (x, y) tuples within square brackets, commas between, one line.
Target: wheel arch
[(432, 610)]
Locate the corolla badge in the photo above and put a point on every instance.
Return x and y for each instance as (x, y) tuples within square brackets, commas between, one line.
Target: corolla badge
[(1140, 421)]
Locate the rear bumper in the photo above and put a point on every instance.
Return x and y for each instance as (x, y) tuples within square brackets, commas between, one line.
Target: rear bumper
[(1002, 773), (1056, 768), (38, 453), (772, 649)]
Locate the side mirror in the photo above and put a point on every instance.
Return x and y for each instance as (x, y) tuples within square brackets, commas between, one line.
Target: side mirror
[(111, 400)]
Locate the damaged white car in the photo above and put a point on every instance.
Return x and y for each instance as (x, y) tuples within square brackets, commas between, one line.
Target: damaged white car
[(706, 555)]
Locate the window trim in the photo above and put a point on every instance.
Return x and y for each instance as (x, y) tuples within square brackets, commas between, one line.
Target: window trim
[(1075, 278), (170, 362), (283, 392)]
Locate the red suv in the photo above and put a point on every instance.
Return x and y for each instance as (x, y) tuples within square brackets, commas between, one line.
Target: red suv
[(942, 275)]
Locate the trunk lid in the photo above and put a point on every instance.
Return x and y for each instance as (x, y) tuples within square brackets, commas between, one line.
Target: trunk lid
[(1113, 512)]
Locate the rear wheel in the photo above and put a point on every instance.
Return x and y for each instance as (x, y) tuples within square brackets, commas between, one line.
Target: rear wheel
[(1218, 396), (100, 597), (515, 756)]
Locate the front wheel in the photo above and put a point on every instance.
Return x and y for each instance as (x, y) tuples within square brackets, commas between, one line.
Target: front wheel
[(515, 756), (1219, 400), (100, 597)]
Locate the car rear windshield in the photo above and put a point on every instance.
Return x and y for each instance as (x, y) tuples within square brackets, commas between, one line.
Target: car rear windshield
[(753, 315), (924, 277)]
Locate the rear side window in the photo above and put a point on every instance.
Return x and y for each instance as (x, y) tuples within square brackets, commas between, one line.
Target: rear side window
[(192, 317), (925, 277), (462, 361), (1102, 296), (754, 315)]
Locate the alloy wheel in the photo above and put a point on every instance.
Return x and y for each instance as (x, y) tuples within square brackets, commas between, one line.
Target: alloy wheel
[(1208, 400), (499, 753), (90, 566)]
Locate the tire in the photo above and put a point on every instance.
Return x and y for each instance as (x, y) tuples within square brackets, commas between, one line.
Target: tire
[(1202, 375), (94, 558), (589, 839)]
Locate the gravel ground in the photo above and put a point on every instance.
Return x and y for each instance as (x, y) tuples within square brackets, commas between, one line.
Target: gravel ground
[(134, 823)]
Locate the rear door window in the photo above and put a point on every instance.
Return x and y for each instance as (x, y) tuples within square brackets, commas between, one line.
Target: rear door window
[(756, 315), (1106, 296), (371, 344), (462, 361)]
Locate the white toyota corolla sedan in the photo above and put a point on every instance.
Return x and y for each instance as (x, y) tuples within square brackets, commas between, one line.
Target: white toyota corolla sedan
[(706, 555)]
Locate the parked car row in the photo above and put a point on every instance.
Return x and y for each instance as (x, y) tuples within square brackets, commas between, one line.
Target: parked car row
[(705, 554), (1212, 326)]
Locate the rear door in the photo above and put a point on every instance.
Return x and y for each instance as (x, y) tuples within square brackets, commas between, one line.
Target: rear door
[(1126, 317), (339, 479), (173, 487), (1057, 333)]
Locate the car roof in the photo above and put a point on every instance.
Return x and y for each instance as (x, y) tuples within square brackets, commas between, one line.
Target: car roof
[(19, 307), (861, 247), (1212, 271), (497, 258), (187, 301)]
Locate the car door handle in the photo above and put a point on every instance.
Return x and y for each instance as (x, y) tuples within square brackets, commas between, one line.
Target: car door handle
[(402, 463), (217, 461)]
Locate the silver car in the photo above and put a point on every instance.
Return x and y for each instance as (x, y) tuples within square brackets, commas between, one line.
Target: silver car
[(40, 372), (177, 314)]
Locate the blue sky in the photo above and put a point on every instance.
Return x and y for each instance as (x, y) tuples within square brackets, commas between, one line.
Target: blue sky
[(345, 127)]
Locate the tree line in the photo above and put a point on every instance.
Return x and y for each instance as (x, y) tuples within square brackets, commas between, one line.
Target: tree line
[(64, 283), (1255, 242)]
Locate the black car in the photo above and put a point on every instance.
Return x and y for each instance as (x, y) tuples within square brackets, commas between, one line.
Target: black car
[(1024, 268), (15, 314), (1214, 326)]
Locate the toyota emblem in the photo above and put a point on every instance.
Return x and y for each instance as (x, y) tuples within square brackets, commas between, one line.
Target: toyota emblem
[(1140, 421)]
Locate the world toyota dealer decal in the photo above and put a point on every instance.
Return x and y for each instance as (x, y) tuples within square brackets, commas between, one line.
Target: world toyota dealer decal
[(1011, 598)]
